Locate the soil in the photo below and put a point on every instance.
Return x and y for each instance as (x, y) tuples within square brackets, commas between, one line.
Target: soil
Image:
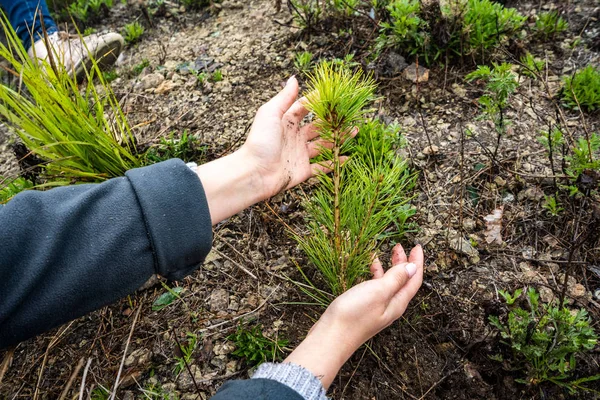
[(441, 347)]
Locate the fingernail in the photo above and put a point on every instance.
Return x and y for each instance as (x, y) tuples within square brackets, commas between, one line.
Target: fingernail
[(290, 80), (411, 269)]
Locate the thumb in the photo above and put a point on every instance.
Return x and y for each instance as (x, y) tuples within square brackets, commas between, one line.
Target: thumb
[(284, 99), (397, 276)]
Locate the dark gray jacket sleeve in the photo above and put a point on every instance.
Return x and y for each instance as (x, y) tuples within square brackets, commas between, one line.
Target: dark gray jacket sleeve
[(71, 250), (256, 389)]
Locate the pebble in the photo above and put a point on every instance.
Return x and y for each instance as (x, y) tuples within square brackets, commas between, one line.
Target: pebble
[(219, 300), (410, 73), (152, 81)]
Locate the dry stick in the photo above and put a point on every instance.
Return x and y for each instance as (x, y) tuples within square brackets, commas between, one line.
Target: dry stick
[(85, 372), (235, 263), (440, 381), (187, 366), (419, 107), (6, 363), (354, 371), (574, 248), (52, 343), (114, 391), (63, 396)]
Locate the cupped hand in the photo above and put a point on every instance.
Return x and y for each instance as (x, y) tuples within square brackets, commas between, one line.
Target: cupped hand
[(359, 314), (279, 147), (369, 307)]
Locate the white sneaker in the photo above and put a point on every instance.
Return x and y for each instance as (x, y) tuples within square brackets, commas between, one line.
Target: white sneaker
[(70, 51)]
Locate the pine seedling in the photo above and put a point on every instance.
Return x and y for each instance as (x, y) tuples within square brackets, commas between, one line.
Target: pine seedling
[(82, 134), (363, 196)]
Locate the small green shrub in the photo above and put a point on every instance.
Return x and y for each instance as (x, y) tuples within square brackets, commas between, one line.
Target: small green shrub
[(487, 23), (544, 341), (307, 13), (552, 206), (252, 345), (549, 24), (133, 32), (584, 156), (10, 190), (186, 148), (501, 83), (303, 61), (86, 10), (406, 29), (583, 89)]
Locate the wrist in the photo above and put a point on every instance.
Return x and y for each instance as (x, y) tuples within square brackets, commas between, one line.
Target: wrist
[(231, 184)]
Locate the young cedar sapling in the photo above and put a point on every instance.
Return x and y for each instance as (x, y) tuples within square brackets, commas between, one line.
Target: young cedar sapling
[(364, 195)]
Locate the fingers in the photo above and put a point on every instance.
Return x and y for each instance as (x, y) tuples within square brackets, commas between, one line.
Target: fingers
[(398, 255), (376, 268), (401, 299), (310, 131), (282, 102), (298, 110), (396, 277), (314, 148), (323, 167)]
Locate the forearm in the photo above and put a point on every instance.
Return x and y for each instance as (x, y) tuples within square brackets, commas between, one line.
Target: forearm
[(68, 251), (323, 352), (231, 184)]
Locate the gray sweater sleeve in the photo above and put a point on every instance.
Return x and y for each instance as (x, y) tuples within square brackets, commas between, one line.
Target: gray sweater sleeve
[(71, 250), (295, 377)]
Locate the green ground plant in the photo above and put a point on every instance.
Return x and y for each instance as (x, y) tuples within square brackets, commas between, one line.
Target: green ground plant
[(405, 29), (353, 207), (531, 66), (138, 68), (487, 23), (187, 148), (110, 76), (12, 188), (544, 341), (86, 10), (501, 83), (217, 76), (252, 345), (303, 61), (459, 28), (80, 133), (549, 24), (582, 90), (187, 351), (133, 32)]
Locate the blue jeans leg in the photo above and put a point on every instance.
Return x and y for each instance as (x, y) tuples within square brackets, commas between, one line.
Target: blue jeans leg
[(24, 16)]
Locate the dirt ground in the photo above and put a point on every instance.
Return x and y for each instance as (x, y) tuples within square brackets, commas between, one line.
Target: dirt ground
[(440, 348)]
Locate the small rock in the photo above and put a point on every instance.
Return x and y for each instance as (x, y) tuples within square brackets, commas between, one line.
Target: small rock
[(410, 73), (533, 193), (138, 357), (395, 63), (152, 81), (577, 290), (431, 150), (546, 294), (459, 90), (463, 246), (468, 224), (166, 87), (219, 300)]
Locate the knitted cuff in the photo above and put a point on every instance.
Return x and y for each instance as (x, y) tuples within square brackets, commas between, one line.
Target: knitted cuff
[(295, 377)]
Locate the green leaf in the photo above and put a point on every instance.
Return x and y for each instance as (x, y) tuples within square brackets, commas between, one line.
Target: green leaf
[(166, 298)]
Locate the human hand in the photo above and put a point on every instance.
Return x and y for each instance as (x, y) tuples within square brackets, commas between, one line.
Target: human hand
[(359, 314), (278, 148)]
